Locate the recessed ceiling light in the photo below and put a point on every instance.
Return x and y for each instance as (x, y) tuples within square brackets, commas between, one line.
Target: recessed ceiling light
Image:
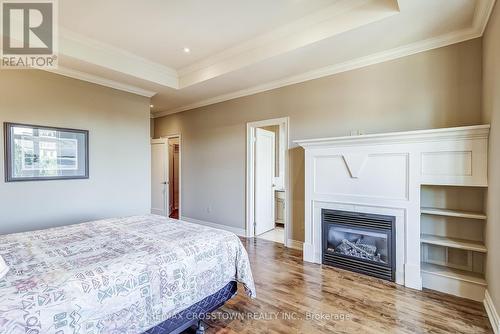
[(151, 106), (186, 50)]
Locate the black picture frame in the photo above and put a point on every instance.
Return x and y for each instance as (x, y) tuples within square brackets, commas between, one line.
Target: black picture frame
[(9, 177)]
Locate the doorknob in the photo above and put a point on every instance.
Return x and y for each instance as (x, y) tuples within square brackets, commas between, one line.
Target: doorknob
[(164, 182)]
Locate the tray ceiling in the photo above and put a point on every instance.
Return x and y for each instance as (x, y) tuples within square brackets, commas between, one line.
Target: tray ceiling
[(243, 47)]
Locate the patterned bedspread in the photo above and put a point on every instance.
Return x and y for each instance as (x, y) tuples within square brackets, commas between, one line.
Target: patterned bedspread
[(114, 276)]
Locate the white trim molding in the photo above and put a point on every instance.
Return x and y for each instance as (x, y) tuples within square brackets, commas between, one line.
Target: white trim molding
[(492, 313), (67, 72), (91, 51), (284, 125), (455, 133), (307, 30), (373, 59), (481, 17), (482, 14), (236, 230)]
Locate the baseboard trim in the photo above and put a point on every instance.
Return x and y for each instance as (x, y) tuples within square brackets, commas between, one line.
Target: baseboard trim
[(492, 312), (238, 231), (295, 244)]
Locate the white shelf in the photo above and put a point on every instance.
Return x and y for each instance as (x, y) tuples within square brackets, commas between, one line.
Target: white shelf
[(474, 246), (444, 184), (453, 213), (461, 275)]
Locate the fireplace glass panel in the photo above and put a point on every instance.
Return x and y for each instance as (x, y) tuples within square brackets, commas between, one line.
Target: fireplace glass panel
[(361, 244)]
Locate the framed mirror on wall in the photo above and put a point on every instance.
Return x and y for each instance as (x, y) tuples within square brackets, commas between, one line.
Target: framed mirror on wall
[(36, 153)]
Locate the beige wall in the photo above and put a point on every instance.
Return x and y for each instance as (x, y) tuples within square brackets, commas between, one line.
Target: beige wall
[(119, 127), (491, 102), (439, 88)]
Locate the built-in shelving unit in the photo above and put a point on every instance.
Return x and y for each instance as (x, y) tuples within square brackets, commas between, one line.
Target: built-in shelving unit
[(433, 182), (452, 239)]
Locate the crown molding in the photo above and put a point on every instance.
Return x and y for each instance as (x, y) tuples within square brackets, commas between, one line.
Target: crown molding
[(376, 58), (482, 14), (480, 20), (101, 81), (82, 48), (309, 29), (436, 135), (91, 51)]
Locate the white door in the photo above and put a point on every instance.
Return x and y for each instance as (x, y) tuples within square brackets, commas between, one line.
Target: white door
[(264, 178), (159, 177), (171, 183)]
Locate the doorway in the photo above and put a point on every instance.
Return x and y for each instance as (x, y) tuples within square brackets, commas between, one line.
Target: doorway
[(267, 180), (173, 170), (166, 176)]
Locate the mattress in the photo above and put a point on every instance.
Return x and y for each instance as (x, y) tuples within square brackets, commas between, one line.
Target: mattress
[(196, 312), (123, 275)]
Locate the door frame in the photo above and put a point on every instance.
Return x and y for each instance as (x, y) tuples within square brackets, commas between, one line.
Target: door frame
[(272, 182), (165, 142), (284, 123), (180, 167)]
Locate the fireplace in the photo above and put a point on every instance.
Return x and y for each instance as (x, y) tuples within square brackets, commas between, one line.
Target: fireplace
[(360, 242)]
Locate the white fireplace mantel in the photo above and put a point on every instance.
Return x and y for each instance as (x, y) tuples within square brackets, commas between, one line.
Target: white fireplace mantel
[(383, 174)]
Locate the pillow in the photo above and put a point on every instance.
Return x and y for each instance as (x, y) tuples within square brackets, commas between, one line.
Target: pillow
[(3, 268)]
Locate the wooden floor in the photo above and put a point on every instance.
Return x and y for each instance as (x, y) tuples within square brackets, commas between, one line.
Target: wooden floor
[(298, 297)]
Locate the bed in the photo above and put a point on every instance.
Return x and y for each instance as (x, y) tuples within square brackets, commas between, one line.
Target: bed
[(144, 274)]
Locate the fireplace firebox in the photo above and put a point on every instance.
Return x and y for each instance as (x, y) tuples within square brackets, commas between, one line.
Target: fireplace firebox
[(360, 242)]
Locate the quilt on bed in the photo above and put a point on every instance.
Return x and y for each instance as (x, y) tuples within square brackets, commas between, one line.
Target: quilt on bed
[(122, 275)]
